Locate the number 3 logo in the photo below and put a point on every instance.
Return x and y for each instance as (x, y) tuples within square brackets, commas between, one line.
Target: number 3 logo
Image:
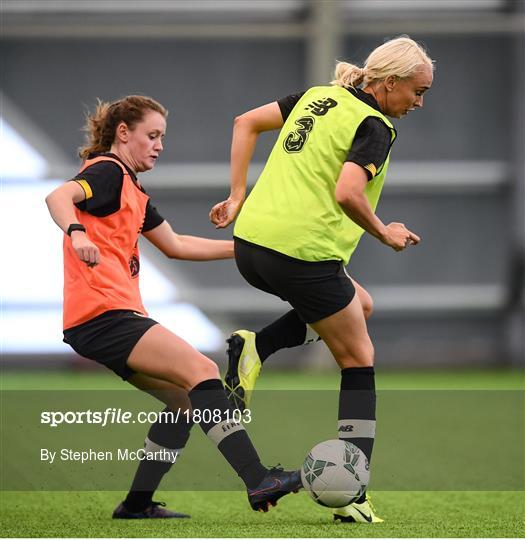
[(295, 140)]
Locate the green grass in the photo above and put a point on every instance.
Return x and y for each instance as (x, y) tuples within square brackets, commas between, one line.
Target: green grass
[(227, 514), (477, 379)]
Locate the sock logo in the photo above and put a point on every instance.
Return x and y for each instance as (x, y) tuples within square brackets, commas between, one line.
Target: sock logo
[(357, 427), (224, 429), (227, 426)]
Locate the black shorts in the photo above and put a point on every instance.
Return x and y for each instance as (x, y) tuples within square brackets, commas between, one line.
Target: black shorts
[(109, 338), (315, 290)]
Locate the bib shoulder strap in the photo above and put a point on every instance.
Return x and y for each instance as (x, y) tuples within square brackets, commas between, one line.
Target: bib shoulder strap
[(88, 162)]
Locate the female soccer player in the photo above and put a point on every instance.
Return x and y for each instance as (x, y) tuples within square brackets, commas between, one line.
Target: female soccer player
[(102, 212), (303, 220)]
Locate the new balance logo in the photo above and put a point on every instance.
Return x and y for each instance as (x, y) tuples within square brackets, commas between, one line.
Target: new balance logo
[(321, 106), (346, 429)]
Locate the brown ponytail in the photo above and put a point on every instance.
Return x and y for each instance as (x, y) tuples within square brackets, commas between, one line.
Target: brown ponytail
[(101, 126)]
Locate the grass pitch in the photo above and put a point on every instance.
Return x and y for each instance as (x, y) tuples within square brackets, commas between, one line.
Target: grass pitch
[(227, 514)]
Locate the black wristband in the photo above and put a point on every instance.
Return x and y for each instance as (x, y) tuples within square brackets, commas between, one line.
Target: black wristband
[(75, 227)]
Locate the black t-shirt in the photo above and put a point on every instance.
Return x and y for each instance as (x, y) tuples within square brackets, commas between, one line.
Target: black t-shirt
[(104, 181), (373, 137)]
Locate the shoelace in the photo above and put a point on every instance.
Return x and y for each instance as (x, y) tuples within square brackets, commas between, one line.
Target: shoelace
[(154, 503), (277, 468)]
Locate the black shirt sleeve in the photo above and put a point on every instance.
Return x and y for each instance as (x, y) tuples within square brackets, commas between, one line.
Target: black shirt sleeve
[(153, 218), (102, 184), (371, 145), (286, 104)]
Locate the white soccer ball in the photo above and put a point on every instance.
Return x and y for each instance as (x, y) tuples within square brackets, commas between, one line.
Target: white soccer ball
[(335, 473)]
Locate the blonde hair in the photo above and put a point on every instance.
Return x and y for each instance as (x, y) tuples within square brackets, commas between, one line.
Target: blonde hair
[(399, 57), (102, 124)]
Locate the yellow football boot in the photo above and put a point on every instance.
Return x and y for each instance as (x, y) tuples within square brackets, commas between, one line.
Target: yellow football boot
[(357, 513), (244, 366)]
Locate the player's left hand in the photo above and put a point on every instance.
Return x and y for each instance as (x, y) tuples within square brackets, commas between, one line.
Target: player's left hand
[(223, 213)]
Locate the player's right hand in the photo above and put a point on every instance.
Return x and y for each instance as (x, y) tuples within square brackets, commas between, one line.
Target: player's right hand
[(223, 213), (398, 237), (85, 249)]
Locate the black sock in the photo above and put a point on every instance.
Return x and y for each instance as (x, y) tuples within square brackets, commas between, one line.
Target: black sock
[(286, 332), (168, 438), (357, 409), (230, 436)]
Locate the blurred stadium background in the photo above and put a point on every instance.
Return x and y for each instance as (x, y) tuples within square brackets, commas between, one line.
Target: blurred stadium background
[(457, 178)]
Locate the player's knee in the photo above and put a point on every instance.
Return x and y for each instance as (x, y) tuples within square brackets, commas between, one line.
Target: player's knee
[(211, 370), (358, 356), (201, 370), (206, 369), (368, 306)]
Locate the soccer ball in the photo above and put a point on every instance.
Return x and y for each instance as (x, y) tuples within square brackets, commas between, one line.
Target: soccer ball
[(335, 473)]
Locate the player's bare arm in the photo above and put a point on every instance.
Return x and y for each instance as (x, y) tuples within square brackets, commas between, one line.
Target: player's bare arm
[(350, 195), (60, 203), (194, 248), (246, 130)]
